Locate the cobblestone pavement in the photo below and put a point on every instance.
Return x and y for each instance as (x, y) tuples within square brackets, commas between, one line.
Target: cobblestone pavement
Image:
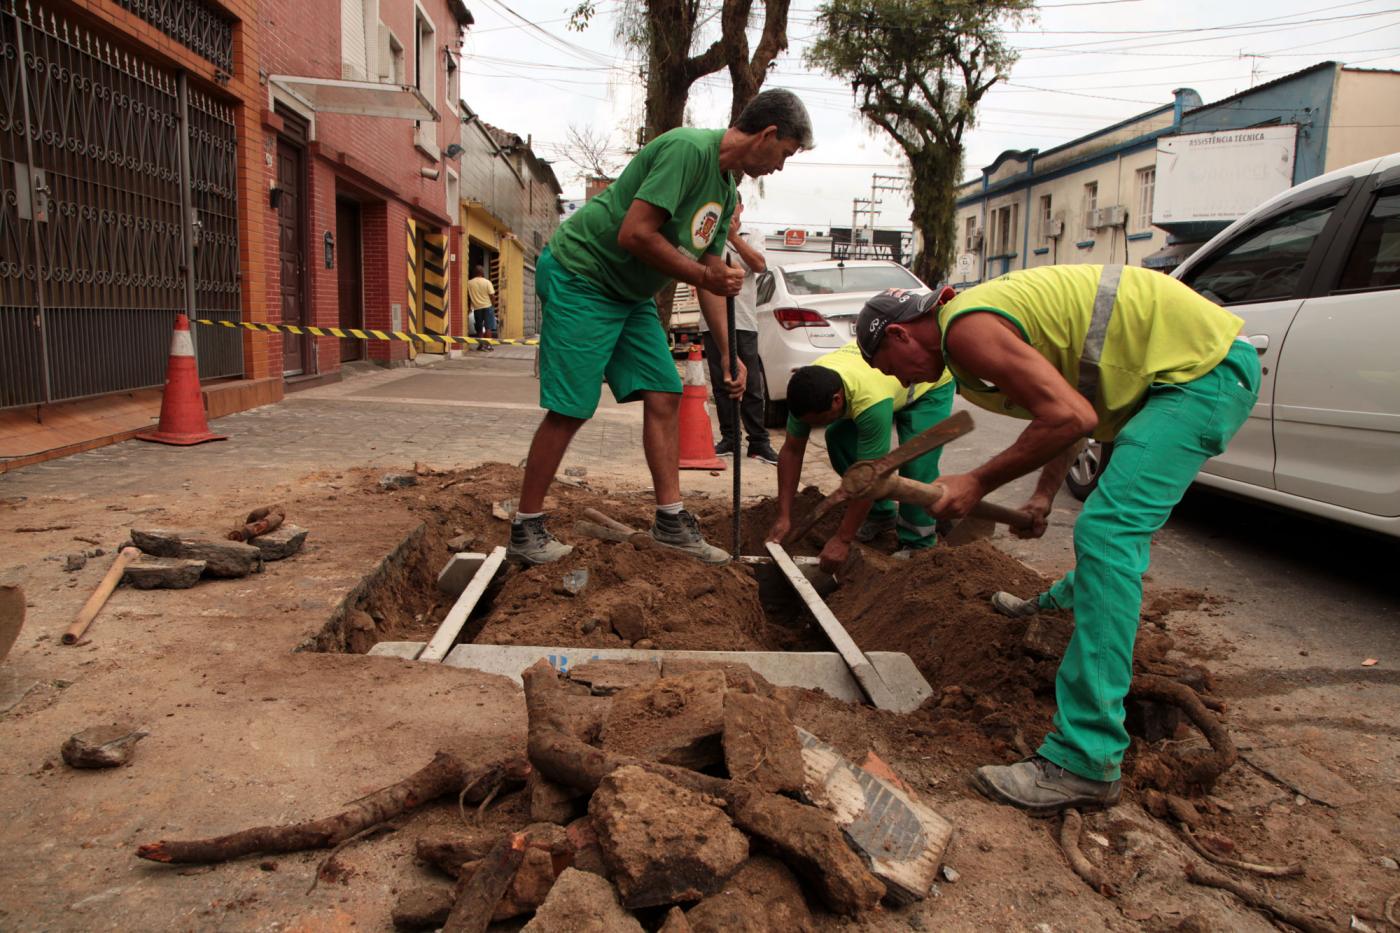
[(450, 413)]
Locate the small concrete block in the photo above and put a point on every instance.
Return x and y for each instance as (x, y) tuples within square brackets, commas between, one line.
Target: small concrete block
[(675, 720), (458, 572), (397, 480), (407, 650), (74, 562), (605, 678), (665, 844), (581, 902), (163, 573), (281, 542)]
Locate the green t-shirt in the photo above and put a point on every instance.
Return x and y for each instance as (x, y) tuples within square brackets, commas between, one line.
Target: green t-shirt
[(872, 398), (678, 172)]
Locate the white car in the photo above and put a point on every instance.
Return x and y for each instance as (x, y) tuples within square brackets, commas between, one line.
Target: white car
[(808, 309), (1315, 273)]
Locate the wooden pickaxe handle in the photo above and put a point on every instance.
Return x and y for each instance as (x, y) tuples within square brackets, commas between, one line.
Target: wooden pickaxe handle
[(928, 495), (98, 599)]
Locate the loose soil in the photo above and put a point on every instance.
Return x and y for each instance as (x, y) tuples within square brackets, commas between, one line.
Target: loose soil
[(244, 731)]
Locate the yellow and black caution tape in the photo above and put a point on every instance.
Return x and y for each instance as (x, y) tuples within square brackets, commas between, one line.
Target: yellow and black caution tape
[(349, 333)]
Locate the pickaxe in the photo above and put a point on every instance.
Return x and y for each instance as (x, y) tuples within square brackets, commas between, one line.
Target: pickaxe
[(879, 479)]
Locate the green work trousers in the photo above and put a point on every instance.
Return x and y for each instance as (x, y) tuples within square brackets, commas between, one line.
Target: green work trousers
[(915, 526), (1155, 457)]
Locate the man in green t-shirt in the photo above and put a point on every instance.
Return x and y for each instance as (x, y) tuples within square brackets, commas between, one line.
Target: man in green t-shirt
[(858, 405), (1125, 354), (665, 218)]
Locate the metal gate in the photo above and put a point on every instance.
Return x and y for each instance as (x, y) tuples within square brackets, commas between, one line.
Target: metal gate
[(119, 209)]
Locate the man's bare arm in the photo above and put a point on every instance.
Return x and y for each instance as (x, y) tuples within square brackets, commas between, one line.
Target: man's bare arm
[(640, 234)]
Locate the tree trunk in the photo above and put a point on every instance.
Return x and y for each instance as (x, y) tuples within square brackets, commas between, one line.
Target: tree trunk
[(933, 188), (746, 73)]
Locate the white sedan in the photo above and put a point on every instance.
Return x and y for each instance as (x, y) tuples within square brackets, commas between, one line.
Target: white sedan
[(808, 309), (1315, 274)]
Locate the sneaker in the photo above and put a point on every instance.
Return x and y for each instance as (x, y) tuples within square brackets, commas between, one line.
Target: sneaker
[(1014, 606), (764, 453), (725, 448), (531, 543), (682, 532), (1043, 787), (872, 528)]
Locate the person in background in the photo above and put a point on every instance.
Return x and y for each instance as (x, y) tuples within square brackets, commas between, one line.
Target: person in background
[(481, 300), (747, 250)]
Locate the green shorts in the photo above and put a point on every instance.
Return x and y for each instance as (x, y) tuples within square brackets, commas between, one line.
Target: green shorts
[(586, 336)]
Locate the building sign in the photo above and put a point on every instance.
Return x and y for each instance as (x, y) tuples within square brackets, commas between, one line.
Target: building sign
[(794, 237), (1221, 175)]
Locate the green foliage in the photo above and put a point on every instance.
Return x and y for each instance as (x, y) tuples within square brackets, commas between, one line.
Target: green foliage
[(918, 69)]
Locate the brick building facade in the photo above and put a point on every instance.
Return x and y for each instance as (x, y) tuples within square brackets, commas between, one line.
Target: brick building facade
[(359, 172)]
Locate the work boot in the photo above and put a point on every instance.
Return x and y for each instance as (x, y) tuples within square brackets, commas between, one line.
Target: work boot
[(725, 448), (682, 532), (872, 528), (531, 543), (1043, 787), (763, 452), (1014, 606)]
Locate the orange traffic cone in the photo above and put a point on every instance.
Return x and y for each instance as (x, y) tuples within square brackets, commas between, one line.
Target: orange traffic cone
[(182, 420), (697, 444)]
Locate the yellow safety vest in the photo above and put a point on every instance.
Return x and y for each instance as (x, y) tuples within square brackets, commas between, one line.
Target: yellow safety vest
[(1111, 331), (866, 386)]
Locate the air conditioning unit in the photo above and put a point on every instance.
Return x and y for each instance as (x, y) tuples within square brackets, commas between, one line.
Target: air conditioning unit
[(974, 241), (1115, 216), (1094, 219), (1055, 228)]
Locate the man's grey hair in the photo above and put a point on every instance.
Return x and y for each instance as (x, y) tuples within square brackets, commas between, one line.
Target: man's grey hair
[(780, 108)]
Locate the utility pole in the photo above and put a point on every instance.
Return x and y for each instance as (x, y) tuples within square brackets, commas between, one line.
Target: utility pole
[(879, 183), (859, 206)]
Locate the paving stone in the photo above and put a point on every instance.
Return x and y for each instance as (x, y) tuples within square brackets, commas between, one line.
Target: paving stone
[(163, 573), (581, 902), (223, 558), (760, 744), (281, 542), (674, 720), (106, 746), (397, 480), (663, 843)]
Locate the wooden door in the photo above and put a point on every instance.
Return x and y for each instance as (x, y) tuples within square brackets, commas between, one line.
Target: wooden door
[(291, 254), (348, 276)]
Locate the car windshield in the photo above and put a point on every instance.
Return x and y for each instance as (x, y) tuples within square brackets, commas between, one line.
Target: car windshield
[(833, 279)]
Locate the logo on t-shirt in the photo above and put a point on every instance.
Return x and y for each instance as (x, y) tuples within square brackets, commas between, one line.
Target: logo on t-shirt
[(704, 224)]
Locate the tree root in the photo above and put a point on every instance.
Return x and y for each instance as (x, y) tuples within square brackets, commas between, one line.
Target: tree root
[(816, 849), (1210, 878), (478, 893), (1268, 871), (443, 775), (1202, 768), (1070, 829), (1390, 905)]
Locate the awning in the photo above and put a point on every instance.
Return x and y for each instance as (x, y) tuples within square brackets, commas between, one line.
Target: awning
[(1170, 256), (362, 98)]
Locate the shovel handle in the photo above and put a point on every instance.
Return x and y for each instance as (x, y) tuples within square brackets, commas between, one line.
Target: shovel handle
[(903, 489)]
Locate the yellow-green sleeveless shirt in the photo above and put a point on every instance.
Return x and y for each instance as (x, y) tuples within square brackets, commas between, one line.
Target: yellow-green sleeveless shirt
[(1160, 332)]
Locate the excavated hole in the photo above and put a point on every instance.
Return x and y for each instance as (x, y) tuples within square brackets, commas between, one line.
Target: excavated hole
[(399, 601)]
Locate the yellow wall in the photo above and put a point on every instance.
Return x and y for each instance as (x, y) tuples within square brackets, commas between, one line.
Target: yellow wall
[(481, 226), (1365, 120)]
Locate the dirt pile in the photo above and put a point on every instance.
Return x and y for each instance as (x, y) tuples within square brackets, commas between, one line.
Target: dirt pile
[(647, 598)]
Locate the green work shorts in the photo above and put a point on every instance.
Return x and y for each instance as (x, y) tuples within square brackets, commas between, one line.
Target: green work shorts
[(587, 336)]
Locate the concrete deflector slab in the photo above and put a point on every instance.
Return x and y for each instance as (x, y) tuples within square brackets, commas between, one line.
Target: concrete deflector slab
[(408, 650), (816, 670), (459, 572), (456, 618)]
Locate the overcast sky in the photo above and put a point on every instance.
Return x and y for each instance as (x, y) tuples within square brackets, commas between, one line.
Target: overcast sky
[(1083, 64)]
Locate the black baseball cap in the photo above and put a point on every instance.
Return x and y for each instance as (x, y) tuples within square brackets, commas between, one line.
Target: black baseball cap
[(894, 306)]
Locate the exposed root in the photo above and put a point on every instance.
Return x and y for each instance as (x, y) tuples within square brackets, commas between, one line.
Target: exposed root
[(1201, 768), (478, 893), (1390, 905), (1268, 871), (481, 808), (443, 775), (1070, 829), (362, 834), (1210, 878)]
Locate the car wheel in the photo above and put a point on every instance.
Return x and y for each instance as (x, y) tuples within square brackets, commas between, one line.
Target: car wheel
[(1084, 472)]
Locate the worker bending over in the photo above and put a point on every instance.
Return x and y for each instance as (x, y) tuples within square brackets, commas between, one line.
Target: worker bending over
[(1126, 355), (857, 405)]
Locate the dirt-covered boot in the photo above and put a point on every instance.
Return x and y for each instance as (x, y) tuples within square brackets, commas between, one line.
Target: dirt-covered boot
[(682, 532), (872, 528), (1043, 787), (531, 543)]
